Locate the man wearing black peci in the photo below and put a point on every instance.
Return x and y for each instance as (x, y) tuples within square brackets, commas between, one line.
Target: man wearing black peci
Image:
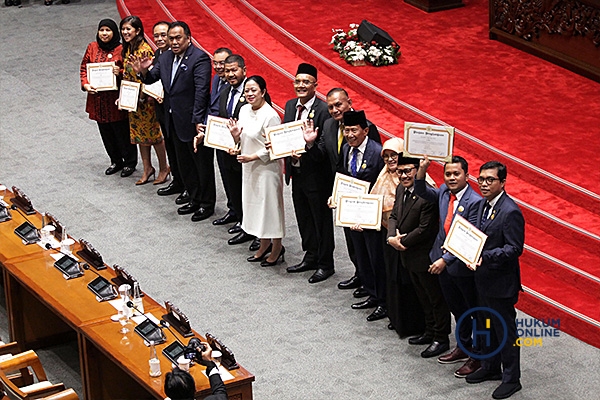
[(310, 175)]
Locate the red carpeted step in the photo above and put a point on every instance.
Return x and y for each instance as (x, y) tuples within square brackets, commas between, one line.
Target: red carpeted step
[(450, 69)]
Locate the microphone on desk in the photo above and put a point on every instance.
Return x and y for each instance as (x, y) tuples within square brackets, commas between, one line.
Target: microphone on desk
[(165, 324), (14, 207), (148, 329), (27, 230), (4, 213), (48, 246)]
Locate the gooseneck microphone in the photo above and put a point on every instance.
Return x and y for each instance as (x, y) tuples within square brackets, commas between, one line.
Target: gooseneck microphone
[(165, 324), (148, 330), (27, 230)]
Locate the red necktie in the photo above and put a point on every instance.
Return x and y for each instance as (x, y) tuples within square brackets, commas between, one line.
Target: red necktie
[(300, 109), (450, 213)]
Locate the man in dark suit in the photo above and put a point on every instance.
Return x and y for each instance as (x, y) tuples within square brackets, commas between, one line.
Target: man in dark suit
[(338, 102), (231, 100), (219, 82), (498, 277), (361, 158), (185, 73), (310, 180), (160, 33), (411, 230), (454, 197)]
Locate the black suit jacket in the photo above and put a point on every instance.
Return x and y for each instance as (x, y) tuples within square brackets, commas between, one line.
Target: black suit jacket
[(371, 164), (189, 96), (313, 162), (215, 96), (418, 219), (223, 102), (499, 273)]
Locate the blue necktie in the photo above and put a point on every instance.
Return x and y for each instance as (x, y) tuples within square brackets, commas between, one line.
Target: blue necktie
[(175, 66), (353, 160), (231, 101), (486, 211)]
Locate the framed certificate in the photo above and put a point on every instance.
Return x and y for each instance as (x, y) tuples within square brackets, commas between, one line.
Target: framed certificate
[(465, 241), (365, 210), (217, 135), (101, 76), (129, 95), (433, 141), (154, 90), (285, 138), (345, 184)]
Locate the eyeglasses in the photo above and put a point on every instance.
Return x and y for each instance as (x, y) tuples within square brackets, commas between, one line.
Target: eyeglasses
[(489, 180), (304, 82), (217, 63), (405, 171), (387, 156)]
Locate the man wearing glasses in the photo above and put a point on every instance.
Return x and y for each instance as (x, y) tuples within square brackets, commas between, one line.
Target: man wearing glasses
[(498, 279), (412, 229)]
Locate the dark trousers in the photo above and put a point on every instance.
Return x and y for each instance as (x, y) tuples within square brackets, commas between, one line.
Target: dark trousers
[(231, 175), (197, 172), (351, 252), (368, 248), (461, 295), (115, 136), (315, 221), (510, 355), (437, 315), (171, 154)]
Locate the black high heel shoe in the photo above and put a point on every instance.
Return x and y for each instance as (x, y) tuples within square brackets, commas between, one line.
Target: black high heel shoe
[(277, 260), (262, 256)]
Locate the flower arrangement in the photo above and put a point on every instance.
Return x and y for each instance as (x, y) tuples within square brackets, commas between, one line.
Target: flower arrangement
[(357, 52)]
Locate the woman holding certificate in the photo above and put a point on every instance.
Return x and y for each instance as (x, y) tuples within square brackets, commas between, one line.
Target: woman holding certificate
[(112, 122), (144, 128), (262, 182)]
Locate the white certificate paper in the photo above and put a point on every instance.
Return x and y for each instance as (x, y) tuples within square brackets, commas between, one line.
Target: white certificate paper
[(217, 134), (101, 76), (155, 90), (345, 184), (128, 97), (433, 141), (285, 138), (465, 241), (365, 210)]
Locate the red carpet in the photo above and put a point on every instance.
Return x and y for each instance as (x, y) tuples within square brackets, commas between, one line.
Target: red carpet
[(484, 88)]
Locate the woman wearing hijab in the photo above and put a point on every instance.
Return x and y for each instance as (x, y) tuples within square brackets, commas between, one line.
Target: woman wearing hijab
[(113, 123), (144, 128)]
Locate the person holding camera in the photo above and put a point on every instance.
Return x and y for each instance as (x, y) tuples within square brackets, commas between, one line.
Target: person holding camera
[(180, 385)]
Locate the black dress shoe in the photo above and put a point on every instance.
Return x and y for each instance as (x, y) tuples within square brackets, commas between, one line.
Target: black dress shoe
[(226, 219), (127, 171), (255, 245), (423, 339), (183, 198), (301, 267), (320, 275), (351, 283), (237, 228), (9, 3), (113, 169), (368, 303), (241, 237), (506, 389), (173, 188), (435, 349), (202, 214), (188, 209), (482, 375), (391, 327), (379, 313), (360, 293)]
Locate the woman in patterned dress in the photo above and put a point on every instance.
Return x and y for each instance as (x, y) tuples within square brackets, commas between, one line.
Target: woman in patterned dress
[(112, 122), (144, 128)]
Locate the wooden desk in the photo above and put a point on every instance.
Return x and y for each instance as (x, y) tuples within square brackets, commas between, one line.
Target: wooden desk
[(11, 246)]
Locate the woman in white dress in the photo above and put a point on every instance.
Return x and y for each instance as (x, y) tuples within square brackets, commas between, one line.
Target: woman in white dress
[(262, 182)]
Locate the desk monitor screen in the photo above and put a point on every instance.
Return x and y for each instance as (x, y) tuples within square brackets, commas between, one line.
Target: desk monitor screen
[(28, 233), (69, 267), (173, 351), (150, 332), (102, 288)]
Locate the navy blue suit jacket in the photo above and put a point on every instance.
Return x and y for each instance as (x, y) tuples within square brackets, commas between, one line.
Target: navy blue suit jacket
[(216, 95), (188, 97), (499, 273), (467, 208)]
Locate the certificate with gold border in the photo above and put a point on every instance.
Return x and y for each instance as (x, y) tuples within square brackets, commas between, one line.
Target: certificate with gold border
[(101, 76), (129, 95), (345, 184), (154, 90), (217, 134), (286, 138), (433, 141), (464, 240), (365, 210)]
